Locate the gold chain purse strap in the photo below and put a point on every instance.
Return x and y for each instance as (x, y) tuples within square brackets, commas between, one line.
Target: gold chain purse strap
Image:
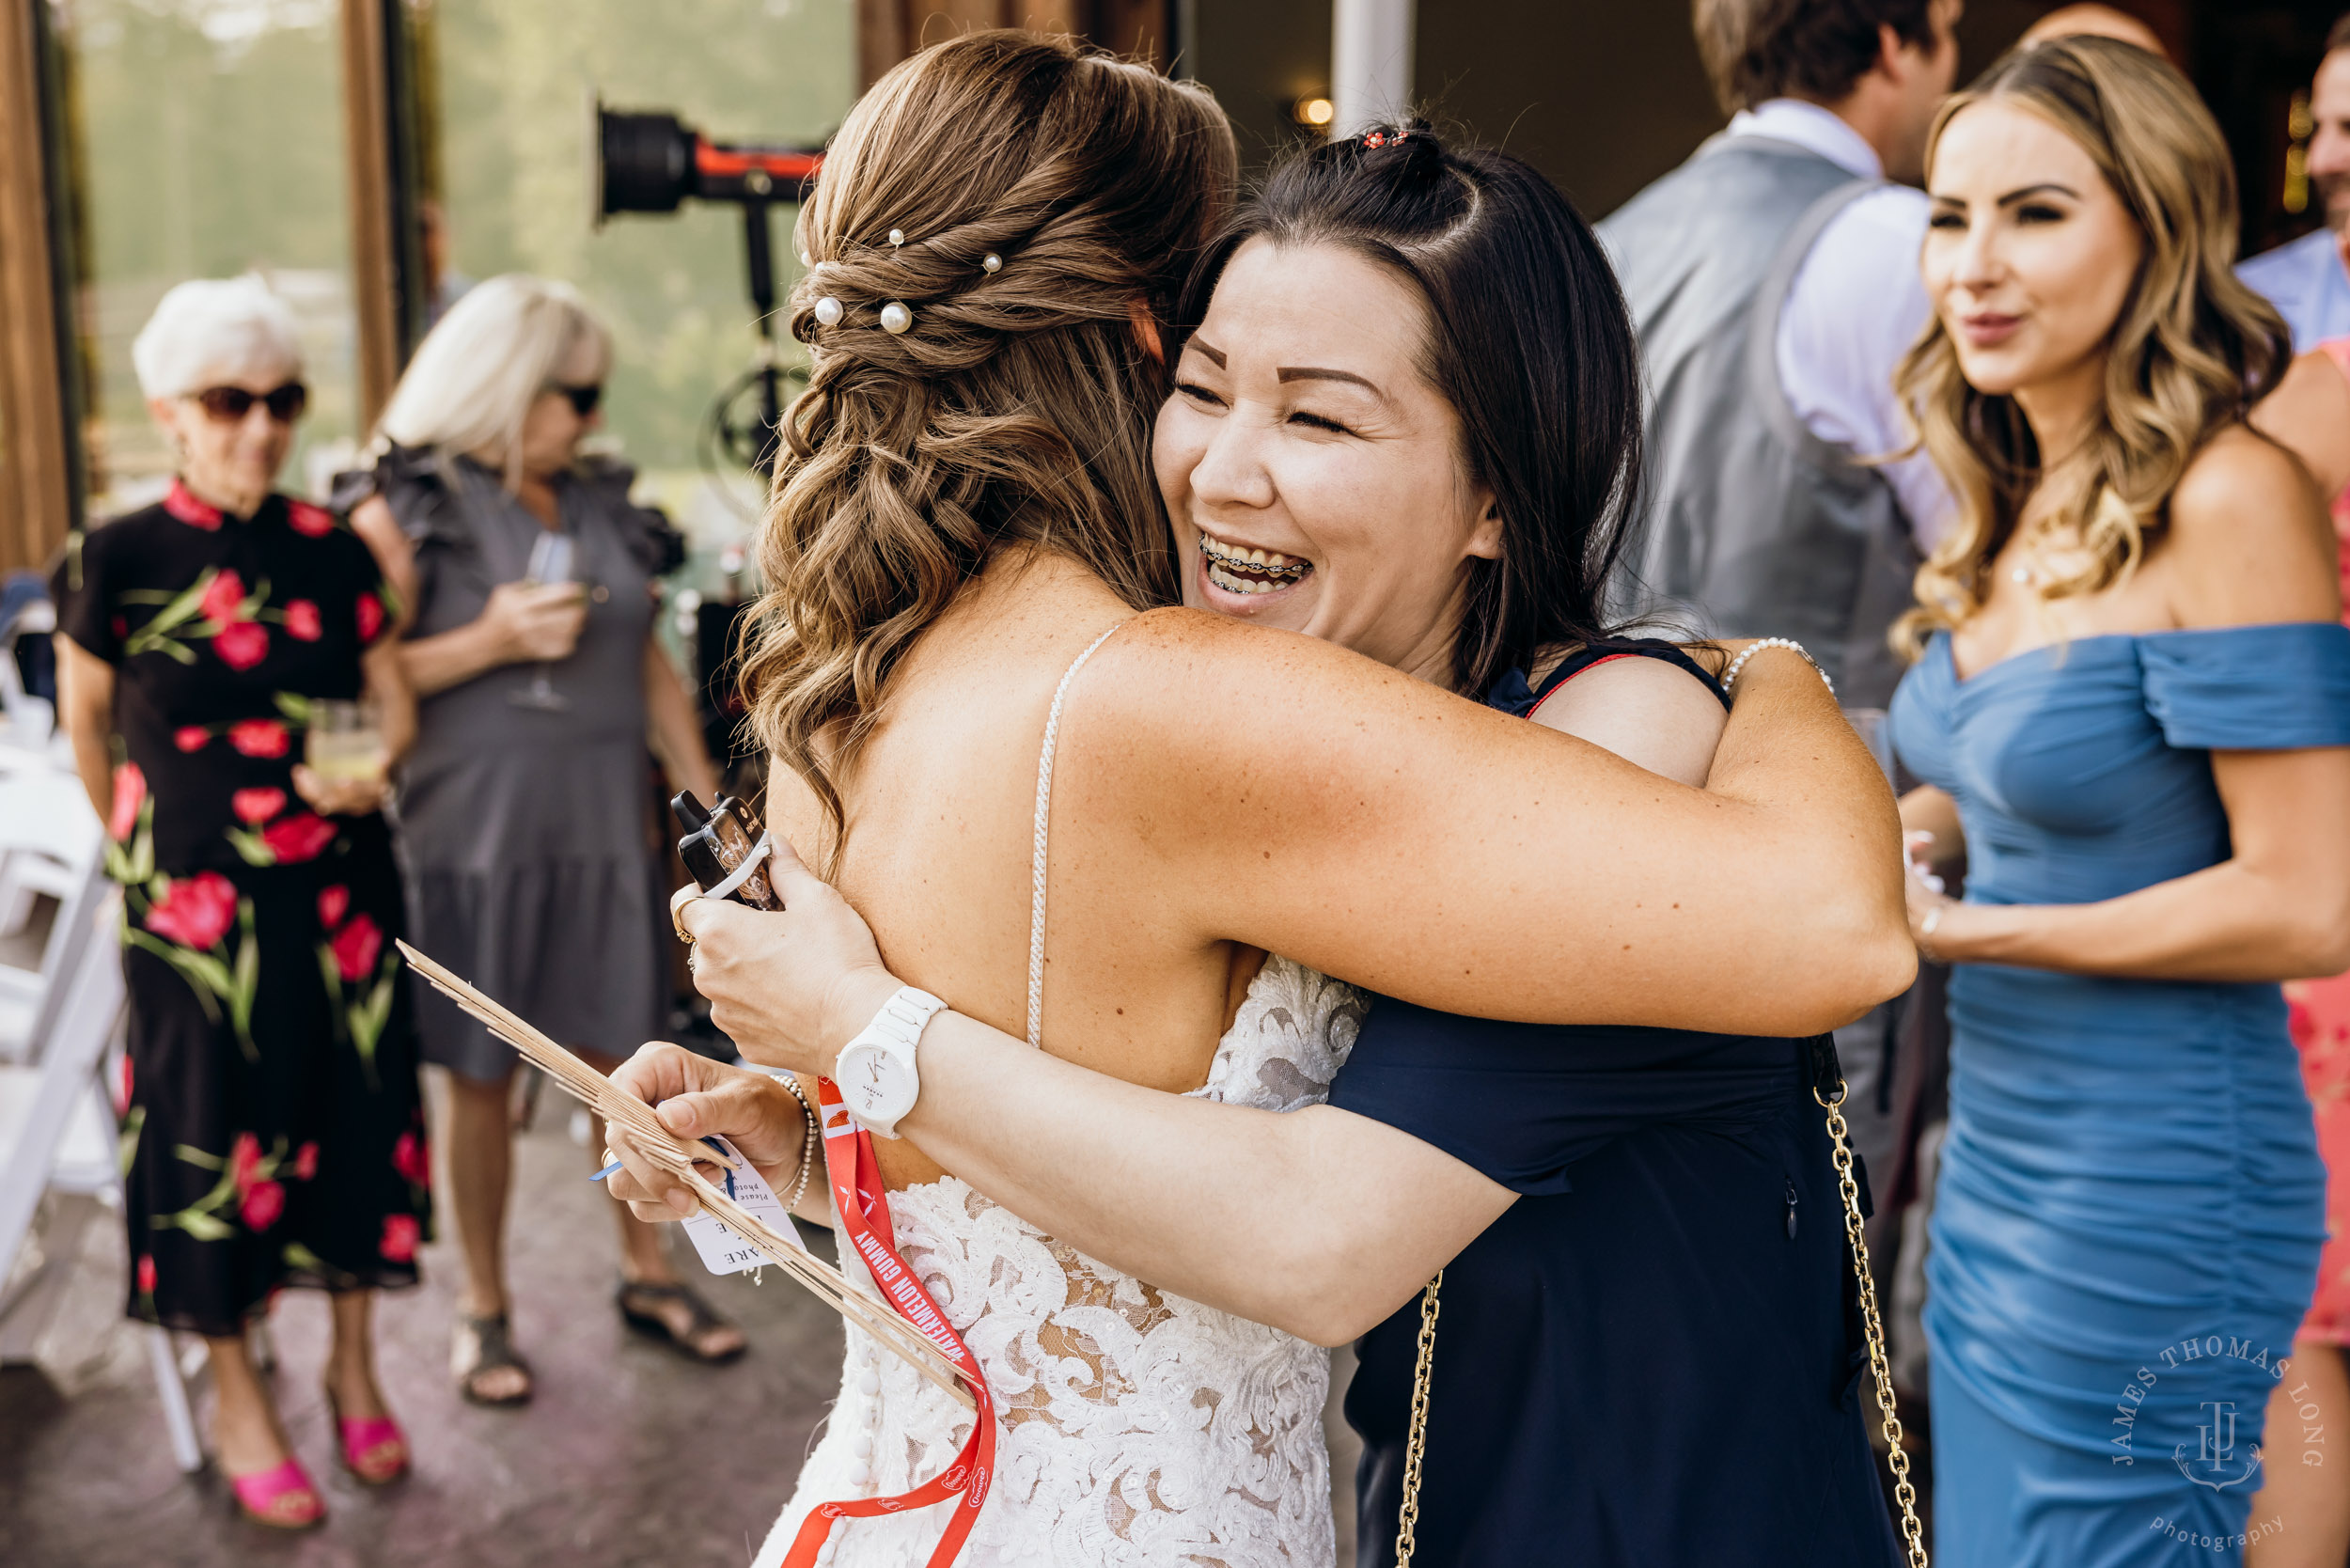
[(1880, 1367), (1409, 1517)]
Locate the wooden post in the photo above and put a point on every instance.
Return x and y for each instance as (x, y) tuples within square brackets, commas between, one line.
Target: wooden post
[(890, 30), (881, 39), (367, 141), (37, 421)]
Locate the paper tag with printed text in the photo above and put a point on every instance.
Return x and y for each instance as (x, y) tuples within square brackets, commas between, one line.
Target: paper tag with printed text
[(723, 1250)]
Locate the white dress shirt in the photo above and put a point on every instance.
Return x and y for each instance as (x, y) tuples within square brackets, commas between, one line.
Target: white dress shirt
[(1854, 307), (2305, 281)]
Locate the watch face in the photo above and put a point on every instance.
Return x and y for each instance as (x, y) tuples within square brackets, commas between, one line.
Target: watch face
[(877, 1086)]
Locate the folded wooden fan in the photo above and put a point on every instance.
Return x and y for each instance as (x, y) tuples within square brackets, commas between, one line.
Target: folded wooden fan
[(628, 1118)]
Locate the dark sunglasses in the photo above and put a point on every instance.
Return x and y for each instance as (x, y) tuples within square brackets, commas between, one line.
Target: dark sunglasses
[(581, 399), (230, 404)]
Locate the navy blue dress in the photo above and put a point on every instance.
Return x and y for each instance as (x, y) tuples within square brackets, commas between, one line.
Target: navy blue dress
[(1654, 1358)]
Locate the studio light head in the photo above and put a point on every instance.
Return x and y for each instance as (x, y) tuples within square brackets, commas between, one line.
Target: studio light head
[(651, 161)]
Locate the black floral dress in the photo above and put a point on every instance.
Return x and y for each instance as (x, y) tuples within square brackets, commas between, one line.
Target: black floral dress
[(274, 1129)]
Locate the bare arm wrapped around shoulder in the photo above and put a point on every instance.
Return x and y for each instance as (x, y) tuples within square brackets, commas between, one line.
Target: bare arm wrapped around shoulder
[(1318, 804)]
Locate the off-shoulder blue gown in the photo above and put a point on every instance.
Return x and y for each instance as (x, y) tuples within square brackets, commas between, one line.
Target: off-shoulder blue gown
[(2131, 1203)]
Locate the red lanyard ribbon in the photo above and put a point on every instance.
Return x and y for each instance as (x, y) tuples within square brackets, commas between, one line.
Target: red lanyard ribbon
[(864, 1206)]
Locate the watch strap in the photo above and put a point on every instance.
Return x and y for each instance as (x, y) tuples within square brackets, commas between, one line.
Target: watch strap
[(902, 1018), (894, 1031)]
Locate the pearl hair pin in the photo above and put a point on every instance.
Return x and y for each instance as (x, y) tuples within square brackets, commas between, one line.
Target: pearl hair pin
[(991, 263), (896, 318), (897, 238), (828, 311)]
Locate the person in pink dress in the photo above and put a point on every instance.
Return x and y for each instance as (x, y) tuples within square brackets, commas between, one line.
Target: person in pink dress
[(2308, 1498)]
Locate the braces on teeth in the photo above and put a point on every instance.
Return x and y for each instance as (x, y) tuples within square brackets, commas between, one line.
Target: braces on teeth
[(1226, 564)]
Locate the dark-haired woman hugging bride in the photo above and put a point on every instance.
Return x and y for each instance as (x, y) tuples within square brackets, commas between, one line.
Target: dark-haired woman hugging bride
[(958, 550)]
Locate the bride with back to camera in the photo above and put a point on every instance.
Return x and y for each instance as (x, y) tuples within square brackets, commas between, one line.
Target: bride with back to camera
[(968, 519)]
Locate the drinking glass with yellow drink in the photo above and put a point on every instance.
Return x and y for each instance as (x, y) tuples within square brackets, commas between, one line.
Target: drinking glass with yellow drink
[(346, 742)]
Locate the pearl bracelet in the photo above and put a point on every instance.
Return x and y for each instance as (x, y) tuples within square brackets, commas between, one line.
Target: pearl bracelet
[(1729, 676), (807, 1149)]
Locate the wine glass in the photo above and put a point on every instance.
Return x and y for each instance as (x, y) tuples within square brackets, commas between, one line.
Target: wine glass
[(551, 560)]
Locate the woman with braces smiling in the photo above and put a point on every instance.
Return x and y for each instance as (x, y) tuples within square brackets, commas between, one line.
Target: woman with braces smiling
[(1407, 424)]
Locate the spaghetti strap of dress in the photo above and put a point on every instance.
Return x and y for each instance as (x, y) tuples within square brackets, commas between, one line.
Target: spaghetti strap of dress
[(1043, 821)]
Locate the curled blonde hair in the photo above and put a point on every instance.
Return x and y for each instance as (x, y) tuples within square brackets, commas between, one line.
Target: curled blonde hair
[(2192, 349), (1018, 407)]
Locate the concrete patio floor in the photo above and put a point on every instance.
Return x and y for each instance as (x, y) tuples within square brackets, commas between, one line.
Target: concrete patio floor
[(628, 1455)]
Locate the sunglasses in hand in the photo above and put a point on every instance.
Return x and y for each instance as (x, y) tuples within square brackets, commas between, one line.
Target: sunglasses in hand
[(230, 404)]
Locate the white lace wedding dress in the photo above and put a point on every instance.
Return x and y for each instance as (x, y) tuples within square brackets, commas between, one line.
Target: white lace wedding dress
[(1138, 1428)]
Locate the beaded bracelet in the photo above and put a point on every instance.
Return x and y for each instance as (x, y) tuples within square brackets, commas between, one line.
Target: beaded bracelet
[(808, 1150), (1729, 676)]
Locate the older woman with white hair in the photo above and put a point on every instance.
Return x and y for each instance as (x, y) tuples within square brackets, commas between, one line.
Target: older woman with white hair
[(523, 808), (275, 1133)]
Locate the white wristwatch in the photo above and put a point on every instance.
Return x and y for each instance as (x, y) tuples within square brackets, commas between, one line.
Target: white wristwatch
[(876, 1071)]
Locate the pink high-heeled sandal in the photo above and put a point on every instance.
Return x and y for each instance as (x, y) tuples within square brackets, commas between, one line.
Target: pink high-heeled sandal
[(373, 1448), (281, 1498)]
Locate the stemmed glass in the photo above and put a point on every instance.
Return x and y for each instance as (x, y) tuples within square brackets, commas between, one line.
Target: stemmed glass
[(551, 560)]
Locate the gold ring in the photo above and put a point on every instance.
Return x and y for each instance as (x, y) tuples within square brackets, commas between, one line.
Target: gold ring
[(678, 900)]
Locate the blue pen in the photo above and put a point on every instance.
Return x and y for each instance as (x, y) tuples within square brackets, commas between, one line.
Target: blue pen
[(711, 1142)]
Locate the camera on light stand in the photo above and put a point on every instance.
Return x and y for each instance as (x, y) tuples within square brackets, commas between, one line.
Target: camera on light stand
[(651, 161)]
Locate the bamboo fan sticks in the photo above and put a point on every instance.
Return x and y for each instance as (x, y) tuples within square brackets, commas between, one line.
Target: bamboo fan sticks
[(629, 1117)]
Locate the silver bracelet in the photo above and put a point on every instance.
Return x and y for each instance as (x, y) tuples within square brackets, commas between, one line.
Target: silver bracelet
[(1729, 676), (807, 1149)]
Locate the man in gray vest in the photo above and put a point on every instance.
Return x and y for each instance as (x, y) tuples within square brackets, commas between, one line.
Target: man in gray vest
[(1774, 281)]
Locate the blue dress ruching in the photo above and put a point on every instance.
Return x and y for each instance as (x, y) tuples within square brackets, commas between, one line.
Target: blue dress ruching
[(2130, 1208)]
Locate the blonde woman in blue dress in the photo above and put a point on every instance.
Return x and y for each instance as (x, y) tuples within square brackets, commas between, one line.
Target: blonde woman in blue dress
[(2133, 704)]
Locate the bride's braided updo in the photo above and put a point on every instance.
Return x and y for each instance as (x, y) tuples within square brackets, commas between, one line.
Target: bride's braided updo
[(1016, 406)]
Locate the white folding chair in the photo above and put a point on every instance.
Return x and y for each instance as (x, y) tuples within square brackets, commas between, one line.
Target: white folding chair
[(32, 720), (57, 1135), (51, 843)]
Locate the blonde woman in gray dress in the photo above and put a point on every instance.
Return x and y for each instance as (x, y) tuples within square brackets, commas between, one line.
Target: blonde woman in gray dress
[(527, 574)]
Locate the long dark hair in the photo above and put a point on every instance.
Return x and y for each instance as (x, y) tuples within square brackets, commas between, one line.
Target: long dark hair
[(1529, 341)]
